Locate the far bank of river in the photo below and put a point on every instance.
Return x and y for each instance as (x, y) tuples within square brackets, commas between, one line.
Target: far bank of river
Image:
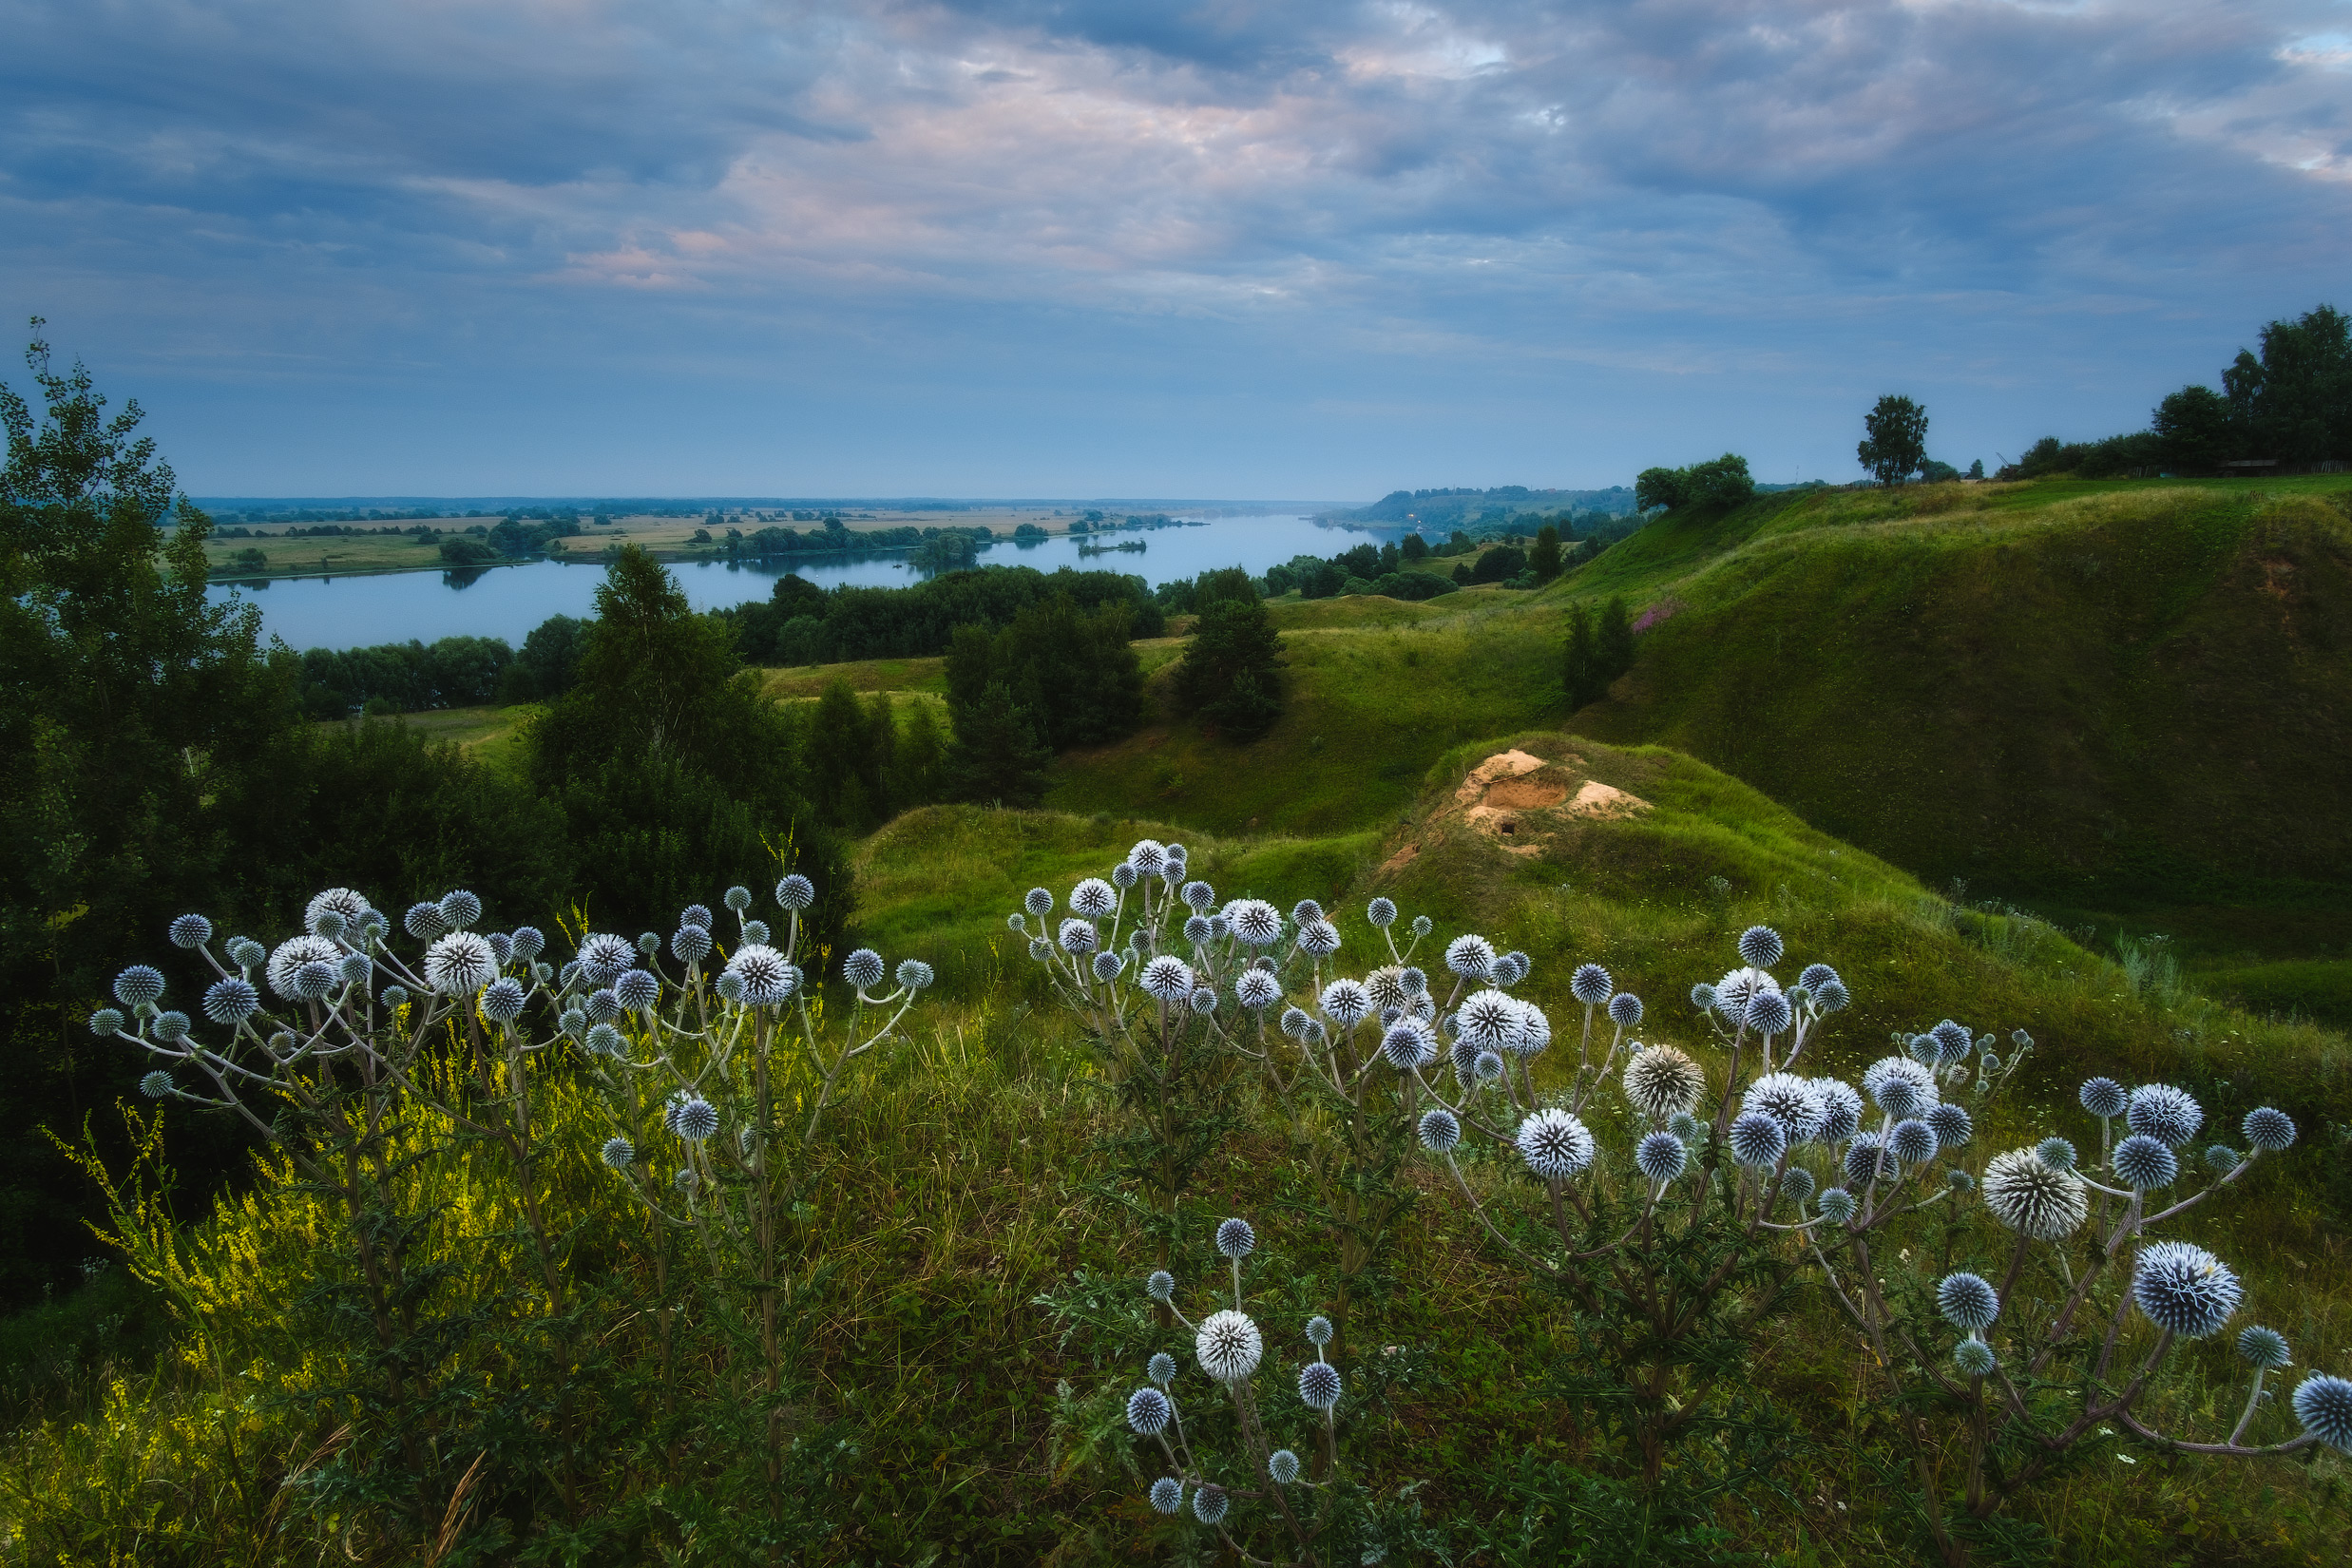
[(506, 602)]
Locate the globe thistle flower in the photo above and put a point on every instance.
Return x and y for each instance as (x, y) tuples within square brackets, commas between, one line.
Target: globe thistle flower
[(1901, 1086), (1282, 1466), (2032, 1198), (1306, 912), (2144, 1164), (1830, 996), (729, 986), (1489, 1021), (1974, 1358), (1757, 1139), (1160, 1285), (502, 999), (1441, 1131), (1912, 1141), (637, 989), (424, 921), (1736, 989), (1234, 1239), (691, 943), (755, 931), (863, 968), (1209, 1504), (1815, 976), (2263, 1347), (1797, 1182), (460, 910), (1591, 985), (1953, 1126), (1790, 1100), (1625, 1009), (230, 1000), (1382, 913), (1953, 1041), (1867, 1162), (1198, 931), (1409, 1045), (1703, 997), (2268, 1129), (1346, 1002), (686, 1180), (1148, 1412), (502, 946), (1412, 982), (1464, 1057), (2184, 1290), (1295, 1023), (1662, 1156), (1555, 1144), (245, 952), (1040, 950), (1319, 1386), (619, 1153), (1924, 1049), (1228, 1347), (914, 974), (1149, 856), (1094, 898), (1386, 986), (157, 1084), (2219, 1159), (2103, 1098), (2323, 1405), (1161, 1369), (604, 957), (1123, 876), (1078, 937), (1506, 972), (1661, 1082), (1760, 946), (285, 959), (1535, 1031), (1167, 1494), (1837, 1205), (796, 892), (648, 943), (1960, 1180), (1319, 1331), (1841, 1109), (695, 1119), (601, 1005), (604, 1039), (1968, 1302), (190, 930), (459, 964), (1198, 896), (1253, 921), (2056, 1152), (1471, 956), (395, 996), (1486, 1066), (767, 976), (1257, 990), (1423, 926), (1319, 938), (2164, 1113), (737, 898)]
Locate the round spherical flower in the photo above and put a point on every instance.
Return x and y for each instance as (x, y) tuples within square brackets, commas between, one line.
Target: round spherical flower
[(864, 968), (1953, 1041), (1661, 1081), (1381, 912), (1078, 937), (755, 930), (190, 930), (287, 957), (1209, 1505), (1167, 979), (1625, 1009), (686, 1180), (2162, 1112), (424, 921), (1409, 1045), (1038, 901), (2323, 1405), (1318, 1385), (1490, 1020), (1739, 987), (604, 1039), (345, 904), (1124, 876), (2184, 1289), (1760, 946), (1968, 1302), (1757, 1139), (460, 910), (2268, 1129), (171, 1027), (1960, 1180), (1234, 1239), (502, 946), (1228, 1347), (1282, 1466), (619, 1153), (2264, 1347), (2143, 1163), (1788, 1100), (1255, 922), (636, 989), (2103, 1098), (1197, 930), (395, 996), (1768, 1012), (1662, 1156), (2221, 1157), (1198, 897), (1867, 1161), (312, 981), (1974, 1358), (1149, 856), (1106, 966), (1830, 996), (1471, 956), (2032, 1198), (1319, 938), (1555, 1144), (767, 976), (737, 898), (1815, 976), (914, 974), (1148, 1412), (1703, 996), (1912, 1141), (1202, 1000), (601, 1005), (459, 964), (230, 1000), (691, 943), (1486, 1067), (729, 986), (1161, 1369), (1319, 1330), (1507, 971), (1346, 1002), (1441, 1130), (1591, 985), (1295, 1023), (1094, 898), (1160, 1285), (1952, 1124), (604, 957), (1041, 949), (155, 1085), (1797, 1182), (1535, 1031), (2057, 1153), (502, 999), (1305, 910), (1901, 1086), (1841, 1109), (696, 1118), (1167, 1494), (1836, 1205), (1257, 990), (245, 952), (796, 892)]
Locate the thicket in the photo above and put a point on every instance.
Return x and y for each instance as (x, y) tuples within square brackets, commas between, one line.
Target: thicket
[(804, 624), (1057, 676), (1231, 671)]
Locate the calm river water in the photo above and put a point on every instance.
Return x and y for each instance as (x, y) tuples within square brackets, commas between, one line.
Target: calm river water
[(348, 612)]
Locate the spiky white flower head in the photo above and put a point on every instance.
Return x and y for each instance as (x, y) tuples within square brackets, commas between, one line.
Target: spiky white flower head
[(1255, 922), (1790, 1100), (246, 953), (1038, 901), (1625, 1009), (1346, 1002), (1757, 1139), (2032, 1198), (1471, 956), (1094, 898), (604, 1039), (1202, 1000), (604, 957), (1124, 876), (349, 908), (1661, 1081), (1960, 1180), (2268, 1129), (1953, 1126), (1228, 1345), (1836, 1205), (2184, 1289), (1555, 1144), (1198, 897), (695, 1119), (456, 965), (1815, 976), (1295, 1023), (767, 976), (796, 892), (1412, 982), (914, 974), (1739, 987), (230, 1000), (460, 910), (729, 986), (1591, 985), (424, 921), (1830, 996), (1167, 979), (2144, 1163), (502, 999), (755, 930), (619, 1153), (1257, 990), (502, 946), (1489, 1021), (1319, 1330), (1198, 931), (1282, 1466), (1662, 1156), (1078, 937), (1161, 1369), (285, 959), (1535, 1031), (1148, 1412), (2103, 1098), (1974, 1358), (1797, 1182), (2164, 1113), (1159, 1285), (636, 989), (1409, 1045), (2056, 1152), (2263, 1347), (1505, 971), (2220, 1157), (1319, 938), (1167, 1494), (1305, 911), (190, 930), (1441, 1131), (648, 943), (1387, 986), (1209, 1504), (395, 996), (1234, 1239), (1703, 997), (1318, 1385), (1968, 1302), (1760, 946), (1149, 856), (1912, 1141), (1901, 1086), (2323, 1405), (602, 1005), (1867, 1161), (691, 943), (1768, 1012), (1486, 1067), (1381, 912), (313, 981), (1841, 1109)]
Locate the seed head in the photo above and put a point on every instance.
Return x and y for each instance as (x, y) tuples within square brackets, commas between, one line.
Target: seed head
[(1662, 1156), (1441, 1130), (2269, 1130), (457, 964), (1662, 1081), (2264, 1347), (2145, 1164), (1591, 985), (1760, 946), (1148, 1412), (767, 976), (2323, 1405), (1167, 1494), (1234, 1239)]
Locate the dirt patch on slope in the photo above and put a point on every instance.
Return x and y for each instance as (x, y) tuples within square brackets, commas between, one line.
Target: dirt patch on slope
[(1517, 801)]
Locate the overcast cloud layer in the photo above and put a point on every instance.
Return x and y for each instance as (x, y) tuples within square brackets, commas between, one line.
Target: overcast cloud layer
[(1117, 247)]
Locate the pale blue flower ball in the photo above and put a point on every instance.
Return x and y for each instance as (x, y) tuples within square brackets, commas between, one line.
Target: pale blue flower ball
[(2145, 1163), (796, 892), (1591, 985), (2323, 1405), (2184, 1289), (1209, 1505), (1441, 1130), (914, 974), (230, 1000), (691, 943), (2103, 1098), (637, 989), (1381, 912), (2160, 1111), (1319, 1330), (139, 986), (424, 922), (1148, 1412), (1234, 1239), (698, 1119), (155, 1085), (1757, 1139), (2264, 1347), (755, 930), (1038, 902), (1161, 1369), (1662, 1156), (1974, 1358), (1318, 1385), (2268, 1129), (1167, 1494), (1760, 946), (1968, 1302), (619, 1153), (1625, 1009), (1953, 1126), (1836, 1205), (2057, 1153), (1160, 1285), (190, 930), (1282, 1466), (502, 999)]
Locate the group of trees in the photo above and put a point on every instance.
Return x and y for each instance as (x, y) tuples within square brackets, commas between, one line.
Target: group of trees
[(804, 624), (1719, 482), (1230, 675), (453, 672), (1599, 650), (1057, 675)]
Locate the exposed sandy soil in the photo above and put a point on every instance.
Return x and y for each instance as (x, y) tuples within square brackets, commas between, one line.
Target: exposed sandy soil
[(1508, 797)]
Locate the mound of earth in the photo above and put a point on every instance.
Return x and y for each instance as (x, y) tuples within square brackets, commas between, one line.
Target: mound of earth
[(1519, 800)]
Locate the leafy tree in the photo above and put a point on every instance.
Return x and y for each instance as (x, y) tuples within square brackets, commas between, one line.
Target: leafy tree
[(1661, 490), (1231, 673), (549, 658), (1499, 564), (920, 767), (1597, 652), (2295, 401), (847, 757), (1544, 559), (1414, 547), (2197, 428), (1614, 644), (996, 757), (1894, 443), (1718, 482)]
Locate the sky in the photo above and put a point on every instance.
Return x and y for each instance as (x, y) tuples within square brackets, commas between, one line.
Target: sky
[(1238, 248)]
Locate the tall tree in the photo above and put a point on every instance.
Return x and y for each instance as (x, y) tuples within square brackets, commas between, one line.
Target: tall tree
[(1231, 673), (1544, 559), (2295, 401), (1894, 443), (997, 758)]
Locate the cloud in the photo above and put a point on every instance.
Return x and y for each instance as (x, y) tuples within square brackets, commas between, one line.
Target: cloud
[(1667, 191)]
